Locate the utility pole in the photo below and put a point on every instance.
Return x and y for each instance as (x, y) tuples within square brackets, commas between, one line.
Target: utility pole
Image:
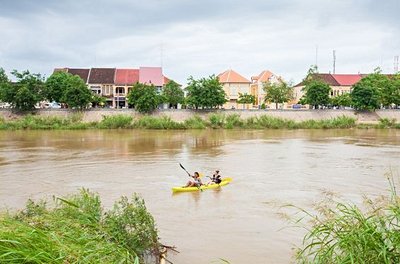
[(396, 64), (334, 61), (316, 55)]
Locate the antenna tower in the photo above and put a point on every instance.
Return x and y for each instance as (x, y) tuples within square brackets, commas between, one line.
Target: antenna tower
[(334, 61), (396, 64)]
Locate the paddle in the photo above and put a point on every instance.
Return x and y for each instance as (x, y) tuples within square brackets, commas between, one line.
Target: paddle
[(198, 187)]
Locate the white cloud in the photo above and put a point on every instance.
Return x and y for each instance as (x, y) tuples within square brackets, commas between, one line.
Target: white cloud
[(200, 38)]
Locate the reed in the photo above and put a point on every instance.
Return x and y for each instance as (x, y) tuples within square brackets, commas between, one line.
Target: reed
[(115, 121), (77, 230), (344, 233), (163, 122), (195, 122)]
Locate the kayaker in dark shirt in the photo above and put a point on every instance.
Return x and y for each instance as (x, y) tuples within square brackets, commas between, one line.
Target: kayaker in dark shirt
[(196, 182), (216, 178)]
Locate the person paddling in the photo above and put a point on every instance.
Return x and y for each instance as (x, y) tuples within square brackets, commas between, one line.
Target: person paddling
[(195, 182)]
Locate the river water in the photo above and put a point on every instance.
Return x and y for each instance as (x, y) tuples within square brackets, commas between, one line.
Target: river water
[(242, 222)]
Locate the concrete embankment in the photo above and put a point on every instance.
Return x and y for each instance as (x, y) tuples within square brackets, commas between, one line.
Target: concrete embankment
[(183, 114)]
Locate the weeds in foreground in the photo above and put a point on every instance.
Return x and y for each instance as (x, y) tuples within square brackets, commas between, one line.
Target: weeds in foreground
[(76, 230), (343, 233)]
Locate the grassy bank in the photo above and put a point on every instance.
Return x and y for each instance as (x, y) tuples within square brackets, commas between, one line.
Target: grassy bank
[(77, 230), (344, 233), (213, 121)]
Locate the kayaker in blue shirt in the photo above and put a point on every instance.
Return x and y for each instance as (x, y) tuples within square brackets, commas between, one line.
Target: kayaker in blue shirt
[(196, 182)]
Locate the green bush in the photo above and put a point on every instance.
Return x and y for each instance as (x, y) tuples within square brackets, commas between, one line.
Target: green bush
[(195, 122), (216, 120), (116, 121), (76, 230), (233, 121), (150, 122)]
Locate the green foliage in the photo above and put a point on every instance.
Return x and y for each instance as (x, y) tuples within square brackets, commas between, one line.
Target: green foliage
[(173, 94), (232, 121), (195, 122), (77, 95), (387, 123), (56, 85), (132, 226), (76, 230), (25, 93), (343, 233), (277, 93), (163, 122), (216, 120), (394, 94), (144, 97), (205, 92), (246, 99), (317, 93), (342, 100), (116, 121), (98, 100), (365, 95)]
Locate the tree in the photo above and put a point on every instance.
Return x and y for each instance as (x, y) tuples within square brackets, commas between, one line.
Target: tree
[(246, 99), (395, 83), (341, 100), (277, 93), (3, 77), (25, 93), (144, 97), (173, 94), (76, 94), (364, 95), (317, 93), (205, 93), (56, 85)]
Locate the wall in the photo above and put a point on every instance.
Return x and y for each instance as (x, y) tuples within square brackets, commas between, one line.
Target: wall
[(181, 115)]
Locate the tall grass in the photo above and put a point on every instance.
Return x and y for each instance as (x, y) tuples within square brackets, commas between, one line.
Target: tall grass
[(163, 122), (343, 233), (77, 230), (116, 121), (213, 120)]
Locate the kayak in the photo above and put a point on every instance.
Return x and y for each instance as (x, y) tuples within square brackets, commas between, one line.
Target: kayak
[(224, 182)]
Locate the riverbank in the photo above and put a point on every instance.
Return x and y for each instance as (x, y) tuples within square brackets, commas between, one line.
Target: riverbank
[(180, 115), (212, 120)]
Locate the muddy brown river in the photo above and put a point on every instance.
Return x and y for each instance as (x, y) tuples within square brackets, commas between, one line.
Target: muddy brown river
[(241, 222)]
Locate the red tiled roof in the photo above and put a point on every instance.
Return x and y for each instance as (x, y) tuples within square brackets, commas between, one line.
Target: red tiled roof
[(230, 76), (102, 75), (264, 76), (151, 75), (347, 79), (126, 76)]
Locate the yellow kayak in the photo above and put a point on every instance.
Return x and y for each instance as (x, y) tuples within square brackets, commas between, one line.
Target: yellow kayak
[(224, 182)]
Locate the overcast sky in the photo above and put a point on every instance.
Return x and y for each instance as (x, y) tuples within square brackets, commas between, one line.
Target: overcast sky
[(201, 37)]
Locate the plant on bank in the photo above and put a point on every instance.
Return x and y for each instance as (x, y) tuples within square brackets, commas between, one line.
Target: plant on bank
[(277, 93), (144, 97), (343, 233), (77, 230)]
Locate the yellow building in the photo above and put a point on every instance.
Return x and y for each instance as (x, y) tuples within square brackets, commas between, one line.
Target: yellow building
[(234, 84), (257, 83)]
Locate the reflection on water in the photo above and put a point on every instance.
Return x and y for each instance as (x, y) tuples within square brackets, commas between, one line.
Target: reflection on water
[(240, 222)]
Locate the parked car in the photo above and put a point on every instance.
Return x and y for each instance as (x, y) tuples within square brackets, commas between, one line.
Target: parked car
[(4, 105)]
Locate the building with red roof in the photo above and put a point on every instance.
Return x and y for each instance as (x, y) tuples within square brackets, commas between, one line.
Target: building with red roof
[(258, 82), (339, 83), (114, 84)]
